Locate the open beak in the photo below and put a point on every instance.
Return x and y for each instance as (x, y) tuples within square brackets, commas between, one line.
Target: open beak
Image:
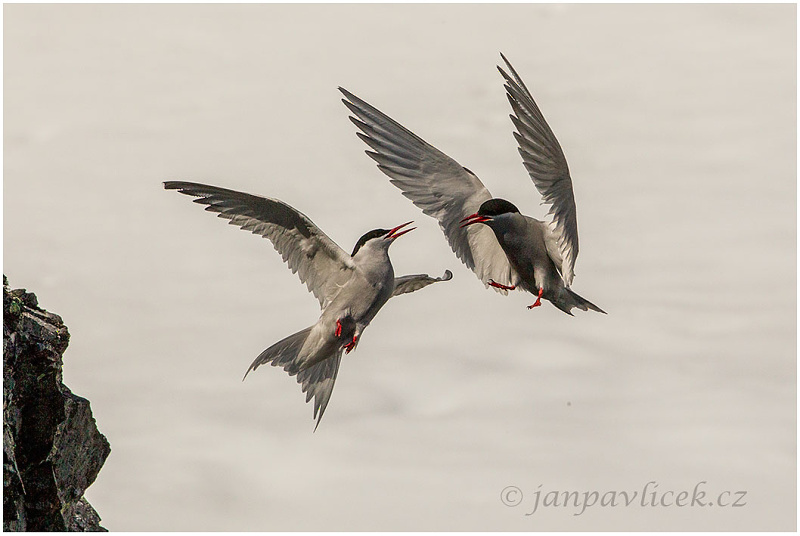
[(393, 234), (474, 218)]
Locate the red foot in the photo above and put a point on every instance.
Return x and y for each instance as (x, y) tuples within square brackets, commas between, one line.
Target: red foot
[(538, 300), (499, 285), (350, 345), (338, 331)]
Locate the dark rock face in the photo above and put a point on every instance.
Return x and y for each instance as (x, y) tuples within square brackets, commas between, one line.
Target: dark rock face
[(52, 449)]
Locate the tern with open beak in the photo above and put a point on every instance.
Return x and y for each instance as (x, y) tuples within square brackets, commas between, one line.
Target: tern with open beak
[(351, 289), (507, 250)]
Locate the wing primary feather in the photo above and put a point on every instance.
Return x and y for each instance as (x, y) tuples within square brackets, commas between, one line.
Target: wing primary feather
[(437, 184), (544, 161), (321, 264)]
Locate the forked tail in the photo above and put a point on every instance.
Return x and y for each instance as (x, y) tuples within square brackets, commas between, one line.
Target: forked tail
[(568, 299), (316, 380)]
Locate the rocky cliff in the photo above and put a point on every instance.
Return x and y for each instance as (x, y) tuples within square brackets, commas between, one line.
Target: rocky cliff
[(52, 449)]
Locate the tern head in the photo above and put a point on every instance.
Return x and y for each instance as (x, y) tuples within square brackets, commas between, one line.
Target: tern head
[(489, 211), (381, 238)]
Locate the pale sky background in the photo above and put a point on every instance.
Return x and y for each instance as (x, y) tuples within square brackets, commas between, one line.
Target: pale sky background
[(679, 125)]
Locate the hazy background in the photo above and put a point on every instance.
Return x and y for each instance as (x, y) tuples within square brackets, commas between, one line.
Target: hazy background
[(679, 125)]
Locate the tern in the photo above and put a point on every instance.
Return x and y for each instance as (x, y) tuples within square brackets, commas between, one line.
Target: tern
[(351, 289), (509, 250)]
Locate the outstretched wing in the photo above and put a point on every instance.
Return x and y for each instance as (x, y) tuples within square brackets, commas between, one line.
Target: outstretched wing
[(546, 165), (321, 264), (437, 184), (411, 283)]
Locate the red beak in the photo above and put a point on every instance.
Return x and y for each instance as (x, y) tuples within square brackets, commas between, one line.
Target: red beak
[(393, 234), (474, 218)]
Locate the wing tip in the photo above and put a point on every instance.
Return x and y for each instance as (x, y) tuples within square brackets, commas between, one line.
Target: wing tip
[(509, 67), (194, 189), (318, 416), (174, 185), (351, 100)]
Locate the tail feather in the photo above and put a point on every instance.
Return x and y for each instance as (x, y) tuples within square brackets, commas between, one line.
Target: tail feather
[(316, 380), (569, 299), (282, 354)]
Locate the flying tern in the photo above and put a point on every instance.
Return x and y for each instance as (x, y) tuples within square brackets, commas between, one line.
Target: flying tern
[(351, 289), (507, 250)]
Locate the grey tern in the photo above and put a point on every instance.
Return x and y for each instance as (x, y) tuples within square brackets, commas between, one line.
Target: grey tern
[(351, 289), (509, 250)]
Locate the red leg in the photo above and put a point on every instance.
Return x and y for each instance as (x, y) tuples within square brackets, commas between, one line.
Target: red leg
[(338, 331), (538, 300), (350, 345), (500, 285)]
